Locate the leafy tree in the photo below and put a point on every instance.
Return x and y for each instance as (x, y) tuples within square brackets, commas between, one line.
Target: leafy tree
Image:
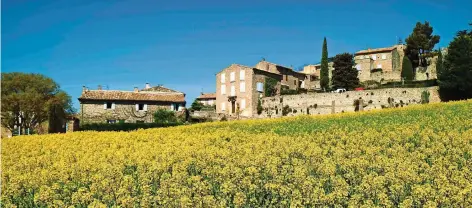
[(455, 80), (270, 88), (420, 43), (30, 98), (164, 116), (407, 69), (259, 106), (344, 75), (196, 106), (324, 73)]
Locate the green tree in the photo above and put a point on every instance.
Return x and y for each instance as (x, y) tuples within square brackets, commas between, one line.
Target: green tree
[(324, 73), (270, 87), (455, 80), (407, 69), (28, 99), (344, 75), (196, 106), (420, 43), (164, 116), (259, 106)]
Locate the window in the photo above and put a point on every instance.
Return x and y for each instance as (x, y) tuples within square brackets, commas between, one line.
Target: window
[(111, 121), (233, 90), (242, 87), (384, 56), (259, 86), (231, 77), (139, 121), (243, 104), (223, 78), (358, 67), (223, 106), (109, 105), (379, 66), (295, 82), (141, 107), (374, 57), (286, 77), (223, 89), (241, 74), (174, 106)]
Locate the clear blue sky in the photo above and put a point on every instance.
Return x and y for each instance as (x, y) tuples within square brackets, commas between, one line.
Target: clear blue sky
[(182, 44)]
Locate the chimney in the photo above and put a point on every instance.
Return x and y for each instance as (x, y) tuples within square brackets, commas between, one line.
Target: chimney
[(99, 87), (136, 89), (147, 86)]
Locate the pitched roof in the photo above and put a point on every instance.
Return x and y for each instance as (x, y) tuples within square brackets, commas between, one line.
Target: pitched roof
[(376, 50), (131, 96), (207, 96), (160, 88)]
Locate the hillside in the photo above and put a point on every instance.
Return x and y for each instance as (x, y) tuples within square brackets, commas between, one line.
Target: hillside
[(415, 156)]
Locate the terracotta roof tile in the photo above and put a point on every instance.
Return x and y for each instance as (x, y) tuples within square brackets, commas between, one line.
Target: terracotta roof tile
[(131, 96), (207, 96), (160, 89)]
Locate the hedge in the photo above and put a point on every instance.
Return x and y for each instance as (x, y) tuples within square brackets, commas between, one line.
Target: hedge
[(123, 126)]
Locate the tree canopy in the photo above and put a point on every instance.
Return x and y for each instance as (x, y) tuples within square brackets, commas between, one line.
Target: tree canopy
[(455, 79), (324, 73), (407, 69), (420, 42), (28, 99), (344, 75)]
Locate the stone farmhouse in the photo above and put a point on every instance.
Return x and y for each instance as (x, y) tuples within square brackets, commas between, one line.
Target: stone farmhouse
[(239, 87), (315, 70), (137, 106), (207, 99)]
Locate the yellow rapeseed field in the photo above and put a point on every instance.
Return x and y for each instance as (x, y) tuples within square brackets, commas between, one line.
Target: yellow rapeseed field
[(420, 156)]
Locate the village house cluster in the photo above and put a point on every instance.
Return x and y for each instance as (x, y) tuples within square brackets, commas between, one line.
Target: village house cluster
[(238, 88)]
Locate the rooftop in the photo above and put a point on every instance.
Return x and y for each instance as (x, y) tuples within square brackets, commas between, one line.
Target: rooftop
[(157, 94), (376, 50), (207, 96)]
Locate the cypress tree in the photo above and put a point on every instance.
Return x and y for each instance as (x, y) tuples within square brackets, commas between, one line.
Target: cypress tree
[(407, 69), (324, 73)]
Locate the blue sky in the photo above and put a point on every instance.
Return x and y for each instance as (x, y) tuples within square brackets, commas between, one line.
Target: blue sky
[(182, 44)]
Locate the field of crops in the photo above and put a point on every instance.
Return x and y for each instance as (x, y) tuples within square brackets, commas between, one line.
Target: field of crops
[(415, 156)]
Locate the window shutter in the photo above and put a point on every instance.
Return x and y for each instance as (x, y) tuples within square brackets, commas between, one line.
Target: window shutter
[(374, 57), (145, 107), (241, 75), (231, 76), (223, 78), (105, 106), (384, 56), (379, 66), (223, 107), (137, 107), (243, 103), (223, 89), (112, 105), (233, 91), (242, 87)]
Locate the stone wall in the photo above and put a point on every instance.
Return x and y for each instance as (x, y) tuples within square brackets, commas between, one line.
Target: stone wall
[(322, 103), (94, 112)]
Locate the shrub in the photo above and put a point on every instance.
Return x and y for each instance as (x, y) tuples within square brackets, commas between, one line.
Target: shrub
[(285, 110), (259, 107), (425, 97), (164, 116), (270, 87), (123, 126)]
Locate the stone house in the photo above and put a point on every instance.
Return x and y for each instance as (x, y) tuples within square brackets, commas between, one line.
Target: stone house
[(137, 106), (380, 64), (315, 71), (208, 99), (239, 87)]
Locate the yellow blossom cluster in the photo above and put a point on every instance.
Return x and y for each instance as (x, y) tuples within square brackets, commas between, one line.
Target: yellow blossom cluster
[(420, 156)]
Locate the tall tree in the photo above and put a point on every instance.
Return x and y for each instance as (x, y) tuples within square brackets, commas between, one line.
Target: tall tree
[(344, 75), (420, 43), (455, 80), (407, 69), (324, 73), (27, 100)]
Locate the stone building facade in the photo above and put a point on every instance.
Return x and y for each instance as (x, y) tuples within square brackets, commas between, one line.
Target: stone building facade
[(329, 103), (208, 99), (315, 71), (137, 106), (381, 64), (239, 87)]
